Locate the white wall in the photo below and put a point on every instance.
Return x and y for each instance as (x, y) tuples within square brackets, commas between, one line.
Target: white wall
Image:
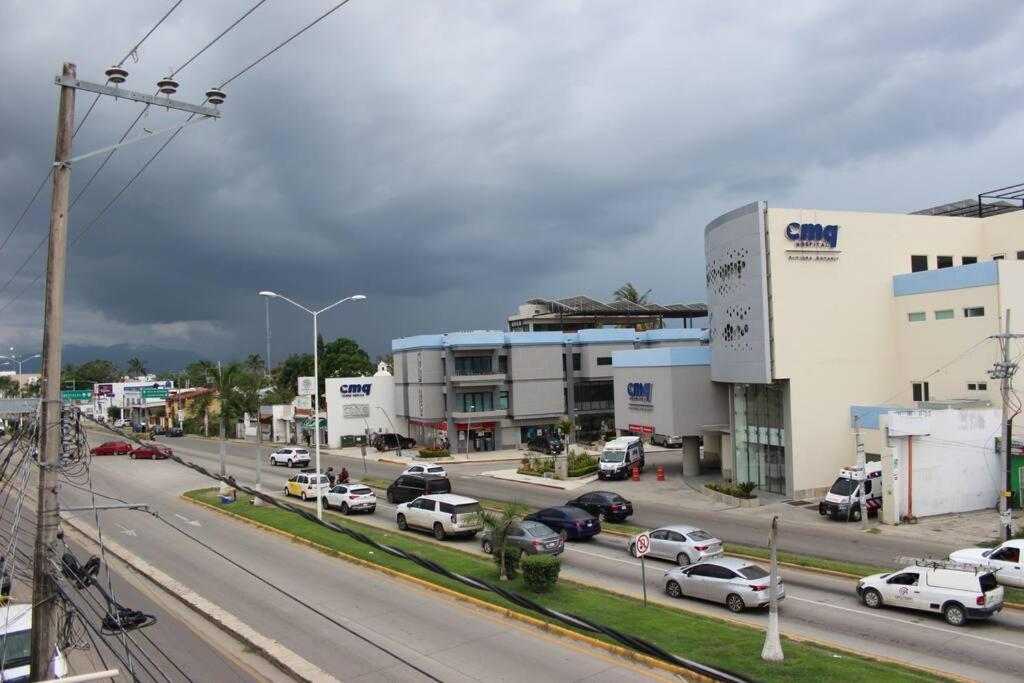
[(956, 468), (381, 394)]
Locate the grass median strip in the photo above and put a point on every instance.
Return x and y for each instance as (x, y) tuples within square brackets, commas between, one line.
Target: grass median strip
[(709, 640)]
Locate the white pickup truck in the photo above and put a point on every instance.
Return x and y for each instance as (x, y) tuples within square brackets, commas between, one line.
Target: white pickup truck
[(1004, 561)]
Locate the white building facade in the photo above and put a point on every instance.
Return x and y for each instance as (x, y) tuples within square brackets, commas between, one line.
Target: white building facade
[(356, 405)]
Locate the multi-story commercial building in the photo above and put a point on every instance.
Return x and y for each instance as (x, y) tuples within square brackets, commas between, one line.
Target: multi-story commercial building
[(500, 388), (816, 316)]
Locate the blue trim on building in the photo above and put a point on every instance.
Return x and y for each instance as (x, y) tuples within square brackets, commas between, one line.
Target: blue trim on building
[(869, 414), (499, 339), (537, 338), (420, 341), (457, 339), (608, 336), (944, 279), (658, 358), (677, 334)]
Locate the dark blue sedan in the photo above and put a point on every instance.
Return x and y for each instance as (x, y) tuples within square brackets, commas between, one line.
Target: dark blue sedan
[(571, 523)]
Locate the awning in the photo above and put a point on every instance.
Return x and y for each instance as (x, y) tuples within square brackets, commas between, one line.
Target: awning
[(308, 423)]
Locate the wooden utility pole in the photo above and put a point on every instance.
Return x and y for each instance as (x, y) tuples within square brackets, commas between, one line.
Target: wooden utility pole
[(44, 609)]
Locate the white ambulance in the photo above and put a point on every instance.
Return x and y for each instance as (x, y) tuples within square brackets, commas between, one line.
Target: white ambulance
[(843, 500)]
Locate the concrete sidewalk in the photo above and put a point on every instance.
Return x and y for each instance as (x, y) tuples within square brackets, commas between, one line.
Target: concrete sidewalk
[(565, 485)]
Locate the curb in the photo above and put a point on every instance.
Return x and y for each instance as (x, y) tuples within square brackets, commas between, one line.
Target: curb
[(460, 597), (276, 654)]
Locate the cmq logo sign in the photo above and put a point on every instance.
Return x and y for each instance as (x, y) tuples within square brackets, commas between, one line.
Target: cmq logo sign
[(640, 391), (813, 234), (356, 389)]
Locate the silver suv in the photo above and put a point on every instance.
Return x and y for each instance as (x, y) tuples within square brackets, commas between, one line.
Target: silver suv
[(444, 514)]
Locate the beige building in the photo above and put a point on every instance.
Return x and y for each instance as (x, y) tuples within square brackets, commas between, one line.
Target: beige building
[(819, 315)]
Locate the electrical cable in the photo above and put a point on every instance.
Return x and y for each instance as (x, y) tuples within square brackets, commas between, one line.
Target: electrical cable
[(575, 621)]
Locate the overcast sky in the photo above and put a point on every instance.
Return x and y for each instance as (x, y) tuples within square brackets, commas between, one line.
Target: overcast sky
[(451, 159)]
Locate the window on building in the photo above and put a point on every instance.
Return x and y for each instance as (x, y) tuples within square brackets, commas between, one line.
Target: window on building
[(916, 317), (944, 261), (576, 363), (502, 400), (604, 360), (977, 386), (974, 312), (946, 314), (474, 402), (999, 257), (968, 260), (920, 391), (594, 396), (472, 365), (503, 364), (918, 263), (1020, 255)]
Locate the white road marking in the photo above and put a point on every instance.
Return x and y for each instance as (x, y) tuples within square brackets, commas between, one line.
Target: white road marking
[(604, 557), (128, 532), (874, 615), (193, 522)]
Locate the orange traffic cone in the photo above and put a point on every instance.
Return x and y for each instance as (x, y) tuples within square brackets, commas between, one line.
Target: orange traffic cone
[(661, 473), (636, 472)]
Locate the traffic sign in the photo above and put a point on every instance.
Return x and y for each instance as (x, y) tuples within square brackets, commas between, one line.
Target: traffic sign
[(643, 544), (154, 393), (76, 395)]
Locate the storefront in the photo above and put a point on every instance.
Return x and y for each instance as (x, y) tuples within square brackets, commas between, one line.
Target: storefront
[(358, 406)]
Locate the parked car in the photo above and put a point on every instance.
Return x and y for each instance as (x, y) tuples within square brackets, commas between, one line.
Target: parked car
[(388, 441), (307, 486), (351, 498), (666, 440), (411, 486), (682, 544), (571, 523), (150, 451), (445, 515), (1006, 561), (16, 640), (290, 457), (121, 423), (736, 583), (175, 431), (158, 430), (112, 448), (533, 538), (551, 445), (605, 505), (426, 469), (619, 456), (139, 428), (956, 593)]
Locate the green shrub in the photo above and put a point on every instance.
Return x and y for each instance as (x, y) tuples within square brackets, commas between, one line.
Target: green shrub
[(434, 453), (743, 490), (512, 561), (540, 572)]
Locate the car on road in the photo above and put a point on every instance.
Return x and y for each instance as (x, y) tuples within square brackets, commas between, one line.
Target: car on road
[(150, 451), (121, 423), (175, 431), (445, 515), (737, 584), (605, 505), (290, 457), (112, 448), (1006, 561), (955, 592), (551, 445), (682, 544), (411, 486), (667, 440), (157, 430), (426, 469), (389, 442), (570, 522), (307, 486), (533, 538), (350, 498)]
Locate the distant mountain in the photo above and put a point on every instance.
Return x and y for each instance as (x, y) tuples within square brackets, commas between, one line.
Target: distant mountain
[(156, 358)]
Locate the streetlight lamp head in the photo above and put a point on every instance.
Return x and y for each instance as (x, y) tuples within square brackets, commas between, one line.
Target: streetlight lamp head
[(358, 297), (268, 294)]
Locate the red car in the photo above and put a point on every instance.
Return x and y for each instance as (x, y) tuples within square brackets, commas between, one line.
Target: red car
[(151, 451), (112, 448)]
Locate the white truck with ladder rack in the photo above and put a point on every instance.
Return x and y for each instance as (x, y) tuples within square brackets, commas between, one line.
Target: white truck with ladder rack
[(843, 499)]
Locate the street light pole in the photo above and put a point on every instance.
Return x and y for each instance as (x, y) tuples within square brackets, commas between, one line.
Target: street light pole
[(19, 364)]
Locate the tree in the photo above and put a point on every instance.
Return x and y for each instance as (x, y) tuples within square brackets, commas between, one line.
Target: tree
[(500, 524), (339, 358), (254, 363), (8, 387), (628, 292), (136, 367), (97, 371), (232, 384), (287, 373)]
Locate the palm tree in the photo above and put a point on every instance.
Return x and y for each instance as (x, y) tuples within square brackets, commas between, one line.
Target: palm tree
[(499, 524), (136, 367), (8, 387), (628, 292), (254, 363), (231, 383)]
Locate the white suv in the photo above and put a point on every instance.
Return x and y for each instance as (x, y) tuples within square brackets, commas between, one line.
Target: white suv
[(957, 592), (444, 514), (290, 457)]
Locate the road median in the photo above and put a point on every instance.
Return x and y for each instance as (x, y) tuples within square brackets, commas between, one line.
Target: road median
[(714, 642)]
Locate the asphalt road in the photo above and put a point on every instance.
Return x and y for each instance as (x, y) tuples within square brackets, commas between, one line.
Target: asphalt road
[(385, 629), (819, 607)]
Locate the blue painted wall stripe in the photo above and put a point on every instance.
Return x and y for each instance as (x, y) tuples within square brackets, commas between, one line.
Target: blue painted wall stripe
[(496, 339), (869, 414), (945, 279), (658, 358)]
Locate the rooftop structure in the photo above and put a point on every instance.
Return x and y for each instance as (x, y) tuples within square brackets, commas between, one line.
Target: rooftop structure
[(582, 312)]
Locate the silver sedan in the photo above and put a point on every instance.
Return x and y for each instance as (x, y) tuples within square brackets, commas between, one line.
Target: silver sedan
[(533, 538), (682, 544), (736, 583)]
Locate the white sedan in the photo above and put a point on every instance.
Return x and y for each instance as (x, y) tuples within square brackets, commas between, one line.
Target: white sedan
[(351, 498), (426, 469), (1006, 561)]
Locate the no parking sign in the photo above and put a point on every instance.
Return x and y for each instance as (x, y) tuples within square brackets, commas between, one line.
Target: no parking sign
[(643, 544)]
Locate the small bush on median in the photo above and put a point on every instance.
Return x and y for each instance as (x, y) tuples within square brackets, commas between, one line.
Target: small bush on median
[(540, 572), (434, 453), (744, 490), (512, 561)]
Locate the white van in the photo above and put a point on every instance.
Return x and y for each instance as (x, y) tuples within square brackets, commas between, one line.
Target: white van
[(16, 644), (843, 500), (957, 592), (619, 456)]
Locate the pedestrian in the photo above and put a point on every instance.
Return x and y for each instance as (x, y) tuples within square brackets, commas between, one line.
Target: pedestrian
[(344, 476), (330, 476)]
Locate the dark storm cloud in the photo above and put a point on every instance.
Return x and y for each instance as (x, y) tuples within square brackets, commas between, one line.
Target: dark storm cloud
[(452, 160)]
